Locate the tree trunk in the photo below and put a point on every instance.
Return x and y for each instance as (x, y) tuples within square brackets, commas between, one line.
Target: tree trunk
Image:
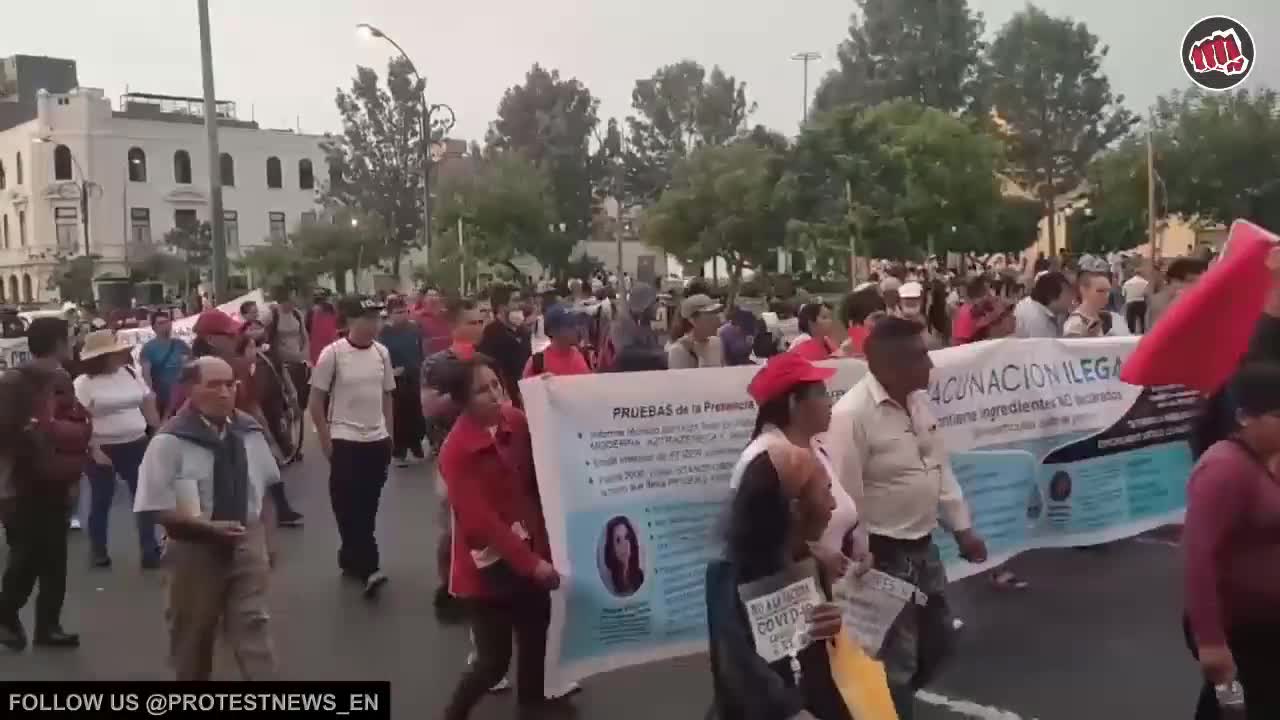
[(340, 280), (735, 281), (1053, 228)]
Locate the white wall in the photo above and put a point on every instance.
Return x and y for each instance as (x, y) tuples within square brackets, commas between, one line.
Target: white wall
[(83, 121)]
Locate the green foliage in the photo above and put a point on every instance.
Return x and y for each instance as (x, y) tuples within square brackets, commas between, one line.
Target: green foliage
[(194, 244), (1115, 217), (550, 122), (377, 161), (928, 51), (1047, 86), (1219, 155), (678, 109), (904, 179), (722, 203), (73, 278), (320, 248), (507, 209)]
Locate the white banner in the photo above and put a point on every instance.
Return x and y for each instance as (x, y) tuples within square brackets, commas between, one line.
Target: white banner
[(1051, 449)]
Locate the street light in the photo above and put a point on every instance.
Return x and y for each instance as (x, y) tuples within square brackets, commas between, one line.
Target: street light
[(806, 58), (85, 186), (445, 124)]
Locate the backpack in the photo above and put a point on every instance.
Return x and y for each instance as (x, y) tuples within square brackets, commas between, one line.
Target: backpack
[(538, 363)]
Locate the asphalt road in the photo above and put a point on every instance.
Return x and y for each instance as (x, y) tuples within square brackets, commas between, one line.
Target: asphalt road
[(1096, 636)]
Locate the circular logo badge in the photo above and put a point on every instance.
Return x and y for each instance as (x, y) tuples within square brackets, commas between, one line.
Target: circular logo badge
[(1218, 53)]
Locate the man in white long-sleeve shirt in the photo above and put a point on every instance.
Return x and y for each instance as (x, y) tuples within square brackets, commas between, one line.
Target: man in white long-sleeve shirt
[(886, 449)]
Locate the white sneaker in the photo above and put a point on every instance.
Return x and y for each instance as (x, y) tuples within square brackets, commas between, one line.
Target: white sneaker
[(572, 689), (75, 523), (501, 686)]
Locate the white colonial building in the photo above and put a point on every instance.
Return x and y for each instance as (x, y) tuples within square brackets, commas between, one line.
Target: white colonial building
[(141, 168)]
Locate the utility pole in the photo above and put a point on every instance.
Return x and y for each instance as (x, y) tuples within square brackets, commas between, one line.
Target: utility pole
[(215, 161), (1151, 192), (853, 235), (462, 264), (806, 58), (618, 175)]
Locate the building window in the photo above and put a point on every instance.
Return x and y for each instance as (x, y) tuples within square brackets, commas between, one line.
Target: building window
[(185, 219), (231, 230), (3, 182), (309, 217), (274, 173), (140, 226), (306, 177), (26, 288), (276, 224), (22, 228), (137, 165), (227, 168), (62, 163), (182, 167), (17, 169), (66, 226), (4, 231), (13, 288)]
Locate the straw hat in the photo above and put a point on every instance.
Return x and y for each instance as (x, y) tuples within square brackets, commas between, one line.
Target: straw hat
[(101, 342)]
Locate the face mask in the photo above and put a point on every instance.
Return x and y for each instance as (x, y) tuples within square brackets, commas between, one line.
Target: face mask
[(516, 317)]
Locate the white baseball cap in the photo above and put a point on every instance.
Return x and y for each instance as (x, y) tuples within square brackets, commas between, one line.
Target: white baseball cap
[(911, 290)]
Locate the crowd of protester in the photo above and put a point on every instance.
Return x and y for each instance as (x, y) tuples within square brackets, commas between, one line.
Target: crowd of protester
[(193, 431)]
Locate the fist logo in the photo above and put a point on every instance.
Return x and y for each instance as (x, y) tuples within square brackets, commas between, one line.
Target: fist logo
[(1218, 53)]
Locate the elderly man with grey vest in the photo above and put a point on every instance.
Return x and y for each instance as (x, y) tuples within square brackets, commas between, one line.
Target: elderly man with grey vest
[(203, 476)]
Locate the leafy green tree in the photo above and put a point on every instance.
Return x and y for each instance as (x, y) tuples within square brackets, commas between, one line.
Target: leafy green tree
[(679, 108), (1055, 104), (73, 278), (1219, 155), (349, 242), (927, 51), (507, 209), (722, 204), (377, 160), (1115, 215), (551, 121)]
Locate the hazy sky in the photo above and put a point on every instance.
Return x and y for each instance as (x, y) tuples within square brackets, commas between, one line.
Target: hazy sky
[(281, 60)]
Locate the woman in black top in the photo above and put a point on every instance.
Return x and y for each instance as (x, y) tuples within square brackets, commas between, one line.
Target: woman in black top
[(782, 507)]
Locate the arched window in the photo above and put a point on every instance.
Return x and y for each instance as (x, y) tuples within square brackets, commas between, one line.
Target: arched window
[(137, 165), (306, 177), (3, 182), (26, 288), (17, 169), (227, 168), (13, 288), (62, 163), (182, 167), (274, 173)]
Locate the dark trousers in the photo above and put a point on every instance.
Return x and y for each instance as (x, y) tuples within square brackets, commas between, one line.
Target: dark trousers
[(300, 375), (357, 472), (920, 640), (410, 427), (1256, 650), (1135, 315), (36, 531), (525, 615), (125, 458)]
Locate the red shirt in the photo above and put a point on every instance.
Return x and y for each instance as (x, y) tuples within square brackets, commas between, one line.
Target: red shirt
[(962, 325), (323, 331), (858, 338), (1231, 543), (815, 349), (559, 361), (492, 491)]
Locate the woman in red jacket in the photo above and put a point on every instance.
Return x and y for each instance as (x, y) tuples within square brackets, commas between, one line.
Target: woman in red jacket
[(500, 556)]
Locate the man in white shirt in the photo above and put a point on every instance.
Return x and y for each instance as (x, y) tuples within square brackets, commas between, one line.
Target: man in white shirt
[(1135, 302), (351, 407), (886, 449)]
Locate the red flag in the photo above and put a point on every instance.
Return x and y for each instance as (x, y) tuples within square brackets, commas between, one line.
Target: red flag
[(1200, 340)]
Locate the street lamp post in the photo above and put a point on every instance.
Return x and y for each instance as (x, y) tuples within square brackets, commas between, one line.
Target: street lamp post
[(85, 186), (428, 124), (216, 219), (806, 58)]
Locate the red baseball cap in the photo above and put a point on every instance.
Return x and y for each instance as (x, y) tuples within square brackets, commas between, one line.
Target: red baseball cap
[(782, 373), (215, 322)]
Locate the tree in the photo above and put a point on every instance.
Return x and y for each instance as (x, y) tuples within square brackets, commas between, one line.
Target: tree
[(550, 122), (1054, 103), (350, 242), (73, 278), (678, 109), (194, 245), (1115, 216), (378, 157), (722, 204), (507, 210), (1219, 155), (277, 264), (928, 51)]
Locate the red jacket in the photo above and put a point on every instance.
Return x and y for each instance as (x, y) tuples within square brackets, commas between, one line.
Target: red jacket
[(66, 428), (493, 494), (321, 331)]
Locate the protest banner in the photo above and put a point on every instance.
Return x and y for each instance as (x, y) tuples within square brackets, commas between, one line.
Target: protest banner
[(184, 329), (1050, 447)]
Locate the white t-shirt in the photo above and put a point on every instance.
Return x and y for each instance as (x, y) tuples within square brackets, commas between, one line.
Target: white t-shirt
[(1135, 289), (115, 404), (356, 380)]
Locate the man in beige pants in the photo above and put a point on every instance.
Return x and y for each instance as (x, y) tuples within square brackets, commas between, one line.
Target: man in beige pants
[(204, 475)]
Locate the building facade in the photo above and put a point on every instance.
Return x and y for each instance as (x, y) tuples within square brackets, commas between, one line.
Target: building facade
[(140, 170)]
